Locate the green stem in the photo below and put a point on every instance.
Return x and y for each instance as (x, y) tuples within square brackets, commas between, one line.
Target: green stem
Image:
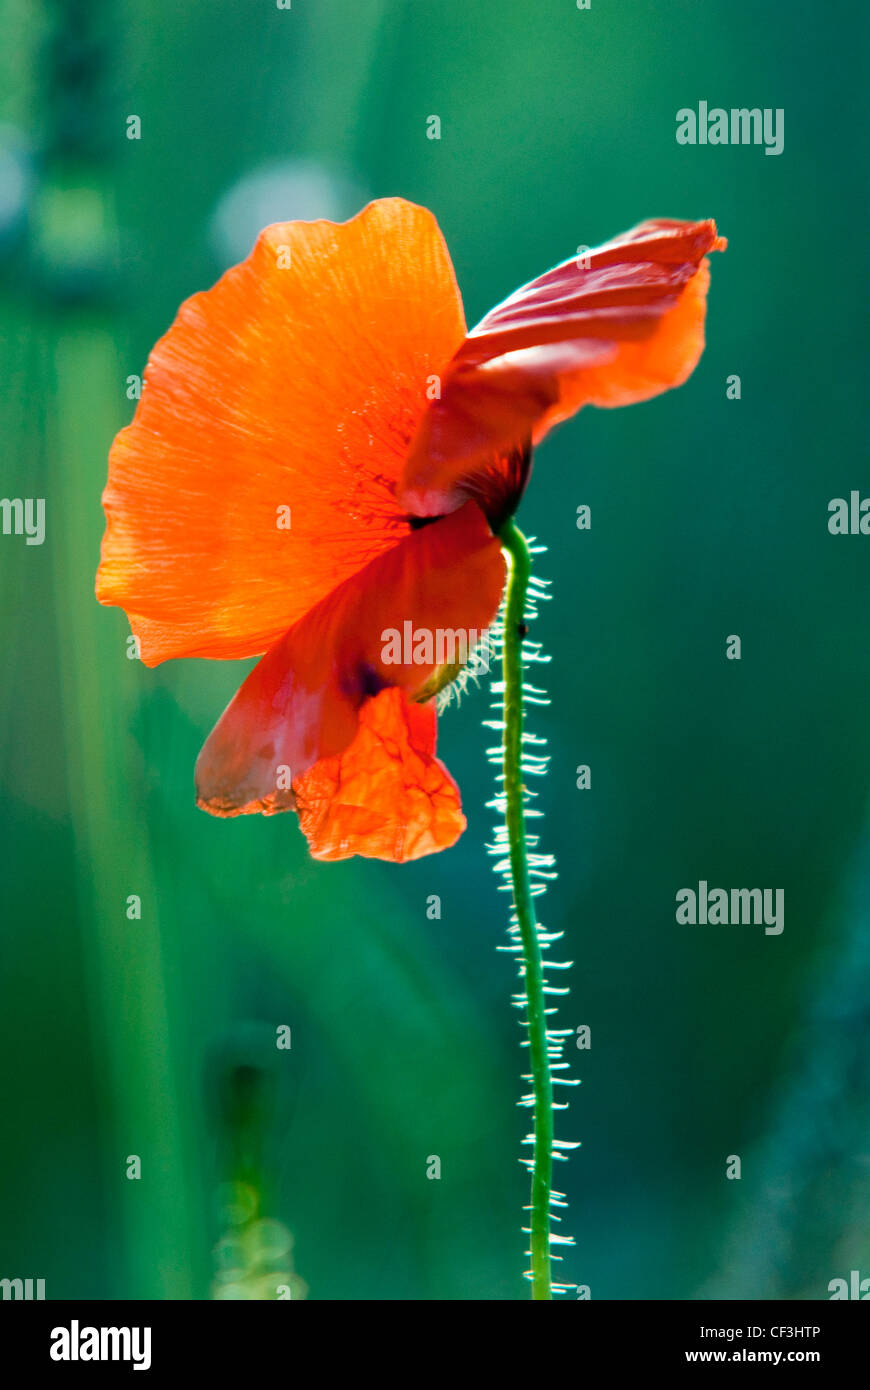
[(514, 543)]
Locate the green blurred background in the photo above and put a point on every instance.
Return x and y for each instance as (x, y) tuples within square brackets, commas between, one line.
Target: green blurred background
[(156, 1037)]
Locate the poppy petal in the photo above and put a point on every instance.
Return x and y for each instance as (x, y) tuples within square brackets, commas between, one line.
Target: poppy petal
[(302, 702), (261, 466), (619, 325), (386, 796)]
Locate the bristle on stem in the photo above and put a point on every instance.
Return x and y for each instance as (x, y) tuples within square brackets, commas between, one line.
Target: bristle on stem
[(526, 872)]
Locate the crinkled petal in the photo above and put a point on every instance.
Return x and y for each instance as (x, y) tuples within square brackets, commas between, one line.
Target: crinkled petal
[(260, 468), (302, 702), (386, 796), (619, 325)]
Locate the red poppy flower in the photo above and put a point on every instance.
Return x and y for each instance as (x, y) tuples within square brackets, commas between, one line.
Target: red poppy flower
[(322, 453)]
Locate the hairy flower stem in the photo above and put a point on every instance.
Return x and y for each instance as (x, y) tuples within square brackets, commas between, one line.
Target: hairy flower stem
[(514, 543)]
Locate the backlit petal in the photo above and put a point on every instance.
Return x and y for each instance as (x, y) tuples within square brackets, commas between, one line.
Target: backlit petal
[(620, 325), (386, 796), (302, 702), (261, 465)]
